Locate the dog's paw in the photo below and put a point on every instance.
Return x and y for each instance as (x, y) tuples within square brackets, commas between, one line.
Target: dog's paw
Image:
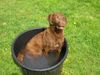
[(20, 58)]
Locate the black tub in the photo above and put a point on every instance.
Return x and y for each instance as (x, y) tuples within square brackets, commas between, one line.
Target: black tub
[(54, 69)]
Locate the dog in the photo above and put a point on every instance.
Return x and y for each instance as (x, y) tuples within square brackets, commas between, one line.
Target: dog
[(51, 39)]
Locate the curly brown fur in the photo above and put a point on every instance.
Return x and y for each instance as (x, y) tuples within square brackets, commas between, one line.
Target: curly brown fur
[(51, 38)]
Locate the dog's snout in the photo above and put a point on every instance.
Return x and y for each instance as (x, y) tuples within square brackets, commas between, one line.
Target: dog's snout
[(61, 28)]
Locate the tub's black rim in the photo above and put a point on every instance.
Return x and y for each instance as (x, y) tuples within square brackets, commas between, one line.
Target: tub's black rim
[(45, 69)]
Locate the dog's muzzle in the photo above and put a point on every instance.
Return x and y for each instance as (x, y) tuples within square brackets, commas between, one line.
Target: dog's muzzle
[(60, 27)]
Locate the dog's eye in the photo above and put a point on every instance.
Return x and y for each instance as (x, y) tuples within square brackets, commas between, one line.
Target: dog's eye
[(57, 23), (59, 26)]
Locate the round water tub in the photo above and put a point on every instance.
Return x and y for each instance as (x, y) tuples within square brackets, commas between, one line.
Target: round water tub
[(50, 65)]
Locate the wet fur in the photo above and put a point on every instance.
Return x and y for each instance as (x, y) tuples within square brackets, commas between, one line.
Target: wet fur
[(49, 39)]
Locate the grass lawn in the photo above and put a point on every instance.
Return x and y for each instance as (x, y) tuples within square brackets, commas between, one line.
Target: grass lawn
[(82, 32)]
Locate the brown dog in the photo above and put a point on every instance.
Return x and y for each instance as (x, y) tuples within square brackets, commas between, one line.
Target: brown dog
[(51, 38)]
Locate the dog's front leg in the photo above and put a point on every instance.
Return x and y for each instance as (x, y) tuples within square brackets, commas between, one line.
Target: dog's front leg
[(46, 50), (59, 50), (20, 57)]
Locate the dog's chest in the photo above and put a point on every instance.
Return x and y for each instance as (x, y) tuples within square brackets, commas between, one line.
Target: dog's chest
[(56, 44), (52, 41)]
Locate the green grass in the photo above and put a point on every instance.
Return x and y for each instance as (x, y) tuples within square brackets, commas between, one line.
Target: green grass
[(82, 32)]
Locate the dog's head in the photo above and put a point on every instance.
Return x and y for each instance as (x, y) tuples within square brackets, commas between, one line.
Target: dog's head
[(57, 20)]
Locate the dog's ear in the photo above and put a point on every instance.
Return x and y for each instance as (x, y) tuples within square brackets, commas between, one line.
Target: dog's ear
[(50, 19)]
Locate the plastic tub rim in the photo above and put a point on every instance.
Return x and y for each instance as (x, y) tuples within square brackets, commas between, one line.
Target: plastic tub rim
[(23, 66)]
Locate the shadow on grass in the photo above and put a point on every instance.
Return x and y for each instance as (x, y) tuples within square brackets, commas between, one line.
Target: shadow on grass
[(14, 74)]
